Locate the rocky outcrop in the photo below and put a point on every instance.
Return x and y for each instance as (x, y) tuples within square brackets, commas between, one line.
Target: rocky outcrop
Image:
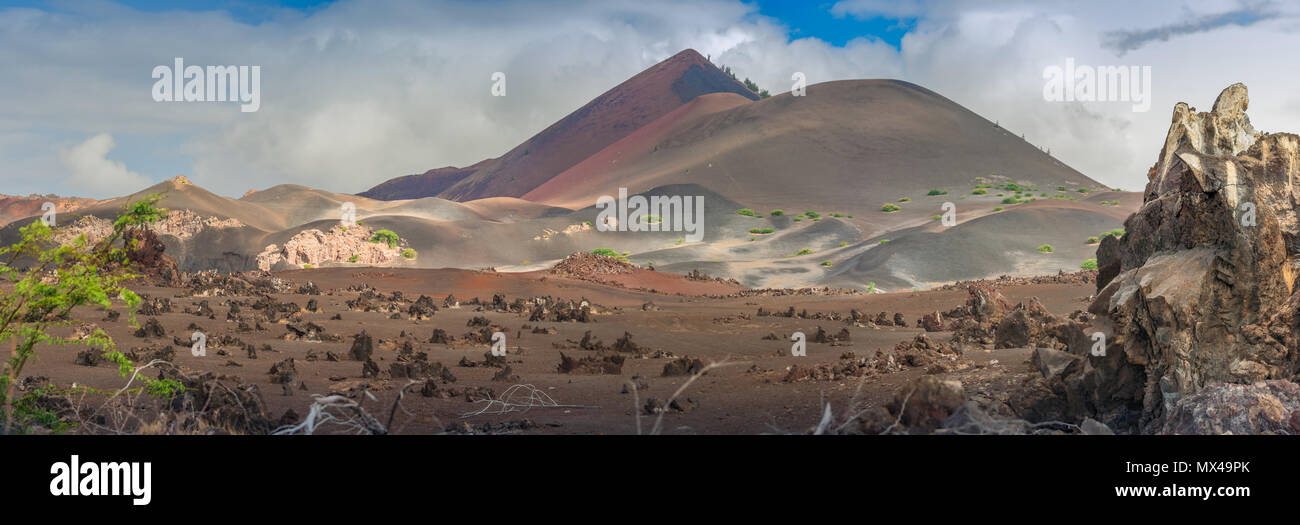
[(340, 244), (181, 224), (1266, 407), (1198, 290), (145, 251)]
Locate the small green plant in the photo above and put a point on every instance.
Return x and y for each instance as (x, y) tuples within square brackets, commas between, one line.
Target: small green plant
[(1092, 240), (1117, 232), (803, 251), (998, 208), (812, 215), (905, 199), (761, 231), (798, 218), (777, 213), (408, 253), (386, 237), (45, 281), (354, 258), (1090, 264), (826, 263), (871, 287), (936, 217), (306, 266), (1046, 248), (890, 207), (608, 252), (1011, 200), (883, 241), (936, 191), (747, 212), (980, 191), (844, 243)]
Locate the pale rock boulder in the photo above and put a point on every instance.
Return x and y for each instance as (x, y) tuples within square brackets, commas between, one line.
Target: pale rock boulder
[(338, 245)]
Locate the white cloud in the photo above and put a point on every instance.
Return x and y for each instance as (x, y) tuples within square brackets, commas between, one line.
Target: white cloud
[(358, 92), (97, 176)]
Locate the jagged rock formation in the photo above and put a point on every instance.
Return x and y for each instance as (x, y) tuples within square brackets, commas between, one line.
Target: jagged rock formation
[(1198, 290), (145, 252), (340, 244), (181, 224)]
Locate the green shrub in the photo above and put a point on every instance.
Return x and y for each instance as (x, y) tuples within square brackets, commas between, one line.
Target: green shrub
[(778, 213), (746, 211), (385, 236), (980, 191), (1092, 240), (812, 214), (761, 230), (1090, 264), (826, 263), (1046, 248), (936, 191), (905, 199), (354, 258), (607, 252), (1010, 200), (1117, 232), (804, 251), (890, 207), (871, 287), (844, 243), (408, 253), (999, 208), (936, 217), (883, 241)]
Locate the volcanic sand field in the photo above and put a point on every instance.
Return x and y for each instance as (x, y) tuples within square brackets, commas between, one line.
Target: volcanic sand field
[(747, 396)]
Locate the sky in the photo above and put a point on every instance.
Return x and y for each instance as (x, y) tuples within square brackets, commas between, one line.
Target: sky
[(354, 93)]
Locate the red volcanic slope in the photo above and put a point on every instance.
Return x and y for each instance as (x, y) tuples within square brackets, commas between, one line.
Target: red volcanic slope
[(611, 116), (14, 207), (594, 172), (425, 184)]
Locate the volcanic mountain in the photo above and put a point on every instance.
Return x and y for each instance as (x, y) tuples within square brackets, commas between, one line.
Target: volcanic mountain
[(606, 119), (862, 183)]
